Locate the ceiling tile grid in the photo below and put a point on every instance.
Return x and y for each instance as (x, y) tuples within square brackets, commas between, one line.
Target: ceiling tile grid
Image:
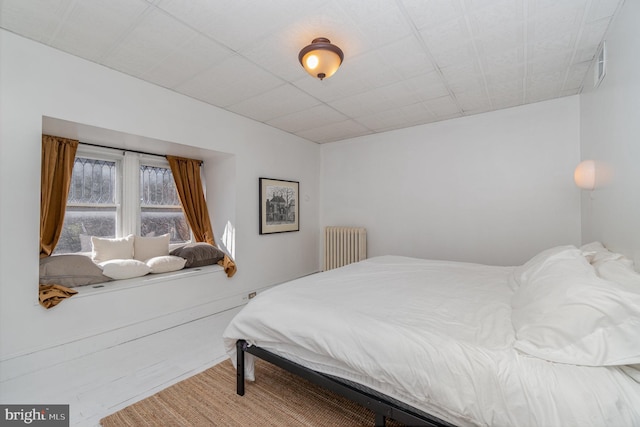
[(407, 62)]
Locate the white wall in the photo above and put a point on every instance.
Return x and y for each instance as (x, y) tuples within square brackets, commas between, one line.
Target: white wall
[(37, 81), (492, 188), (610, 133)]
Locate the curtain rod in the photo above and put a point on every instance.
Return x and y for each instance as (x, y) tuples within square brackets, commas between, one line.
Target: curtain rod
[(127, 149)]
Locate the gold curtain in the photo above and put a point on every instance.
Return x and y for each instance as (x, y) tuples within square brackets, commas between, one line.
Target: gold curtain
[(186, 174), (58, 155)]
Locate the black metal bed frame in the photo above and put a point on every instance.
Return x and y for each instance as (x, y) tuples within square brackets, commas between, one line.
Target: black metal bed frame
[(382, 406)]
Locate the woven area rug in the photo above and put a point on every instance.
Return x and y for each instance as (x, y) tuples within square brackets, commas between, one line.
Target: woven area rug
[(276, 398)]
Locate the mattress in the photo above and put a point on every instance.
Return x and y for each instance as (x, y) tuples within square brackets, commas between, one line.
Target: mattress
[(437, 335)]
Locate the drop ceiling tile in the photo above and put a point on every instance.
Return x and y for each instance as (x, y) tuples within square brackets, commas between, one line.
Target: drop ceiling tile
[(411, 115), (543, 86), (153, 39), (512, 100), (592, 34), (446, 35), (506, 88), (280, 101), (461, 78), (380, 99), (550, 63), (372, 68), (473, 100), (601, 9), (362, 104), (490, 21), (236, 24), (368, 11), (330, 89), (445, 106), (507, 37), (576, 76), (382, 27), (476, 5), (552, 46), (36, 19), (562, 17), (93, 27), (317, 116), (427, 86), (507, 58), (229, 82), (406, 57), (541, 94), (335, 132), (195, 56), (500, 75), (426, 14)]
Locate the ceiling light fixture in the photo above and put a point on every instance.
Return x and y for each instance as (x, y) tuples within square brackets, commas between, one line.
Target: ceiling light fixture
[(321, 59)]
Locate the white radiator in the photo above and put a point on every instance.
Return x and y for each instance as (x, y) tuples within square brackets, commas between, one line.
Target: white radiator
[(344, 245)]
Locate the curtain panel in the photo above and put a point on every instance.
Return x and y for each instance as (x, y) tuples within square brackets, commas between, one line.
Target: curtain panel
[(186, 174), (58, 155)]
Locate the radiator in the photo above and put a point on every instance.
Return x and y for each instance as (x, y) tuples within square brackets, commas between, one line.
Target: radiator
[(344, 245)]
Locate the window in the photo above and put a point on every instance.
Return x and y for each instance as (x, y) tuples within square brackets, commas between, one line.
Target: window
[(114, 194), (160, 210)]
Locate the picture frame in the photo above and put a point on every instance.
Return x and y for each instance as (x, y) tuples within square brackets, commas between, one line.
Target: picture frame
[(279, 206)]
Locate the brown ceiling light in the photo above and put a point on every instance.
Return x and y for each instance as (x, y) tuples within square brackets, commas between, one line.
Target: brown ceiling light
[(321, 59)]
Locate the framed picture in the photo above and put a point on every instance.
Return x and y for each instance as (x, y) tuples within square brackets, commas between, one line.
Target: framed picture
[(279, 206)]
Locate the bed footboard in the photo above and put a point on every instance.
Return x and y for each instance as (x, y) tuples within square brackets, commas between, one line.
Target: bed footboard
[(382, 406)]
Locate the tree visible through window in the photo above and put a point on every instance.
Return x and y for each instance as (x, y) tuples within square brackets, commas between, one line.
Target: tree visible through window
[(160, 211), (91, 205)]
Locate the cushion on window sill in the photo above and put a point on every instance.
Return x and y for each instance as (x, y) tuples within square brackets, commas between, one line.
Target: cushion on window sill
[(145, 248), (198, 254), (105, 249), (165, 264), (70, 270), (124, 268)]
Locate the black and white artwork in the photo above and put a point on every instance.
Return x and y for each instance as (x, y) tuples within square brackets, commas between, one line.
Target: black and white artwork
[(279, 206)]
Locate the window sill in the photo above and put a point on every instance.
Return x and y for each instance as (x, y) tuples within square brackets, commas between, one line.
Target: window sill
[(149, 279)]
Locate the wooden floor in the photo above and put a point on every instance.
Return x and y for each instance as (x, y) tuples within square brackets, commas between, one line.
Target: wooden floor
[(107, 380)]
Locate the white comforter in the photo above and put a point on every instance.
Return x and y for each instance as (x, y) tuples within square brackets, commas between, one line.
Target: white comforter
[(436, 335)]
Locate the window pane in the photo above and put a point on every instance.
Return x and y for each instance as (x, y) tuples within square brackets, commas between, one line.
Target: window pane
[(91, 208), (156, 222), (80, 223), (160, 210), (92, 182)]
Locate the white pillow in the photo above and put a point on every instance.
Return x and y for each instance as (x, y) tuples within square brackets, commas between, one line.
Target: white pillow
[(522, 273), (596, 252), (166, 263), (563, 312), (611, 266), (104, 249), (619, 271), (145, 248), (124, 268)]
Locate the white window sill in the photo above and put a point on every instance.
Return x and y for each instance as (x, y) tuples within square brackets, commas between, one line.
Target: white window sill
[(149, 279)]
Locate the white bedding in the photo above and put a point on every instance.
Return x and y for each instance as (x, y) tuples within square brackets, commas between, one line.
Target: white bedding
[(437, 335)]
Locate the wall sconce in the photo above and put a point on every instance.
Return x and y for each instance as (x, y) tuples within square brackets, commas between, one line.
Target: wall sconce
[(585, 175), (321, 59)]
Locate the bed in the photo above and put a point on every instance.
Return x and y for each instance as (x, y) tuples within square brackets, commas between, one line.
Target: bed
[(554, 342)]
